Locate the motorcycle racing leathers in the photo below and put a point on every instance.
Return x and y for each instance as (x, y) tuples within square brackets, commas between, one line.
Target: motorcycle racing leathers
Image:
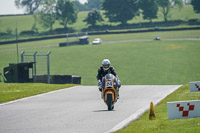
[(102, 73)]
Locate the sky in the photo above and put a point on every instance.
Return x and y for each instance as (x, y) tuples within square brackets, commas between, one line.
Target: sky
[(8, 7)]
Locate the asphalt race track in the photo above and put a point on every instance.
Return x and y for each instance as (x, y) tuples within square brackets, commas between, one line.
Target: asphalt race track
[(79, 110)]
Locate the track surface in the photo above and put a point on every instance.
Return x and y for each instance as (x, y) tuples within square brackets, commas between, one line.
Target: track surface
[(78, 110)]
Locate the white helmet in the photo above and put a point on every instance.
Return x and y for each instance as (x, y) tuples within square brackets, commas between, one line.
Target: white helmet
[(106, 64)]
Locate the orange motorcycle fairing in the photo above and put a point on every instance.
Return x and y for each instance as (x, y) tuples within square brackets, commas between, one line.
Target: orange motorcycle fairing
[(109, 91)]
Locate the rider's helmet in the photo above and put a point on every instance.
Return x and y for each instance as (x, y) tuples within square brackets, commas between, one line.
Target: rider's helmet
[(106, 64)]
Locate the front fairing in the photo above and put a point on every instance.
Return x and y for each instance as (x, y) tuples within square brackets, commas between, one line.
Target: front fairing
[(109, 78)]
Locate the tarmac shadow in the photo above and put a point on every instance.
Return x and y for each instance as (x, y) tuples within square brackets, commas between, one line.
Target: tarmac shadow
[(102, 111)]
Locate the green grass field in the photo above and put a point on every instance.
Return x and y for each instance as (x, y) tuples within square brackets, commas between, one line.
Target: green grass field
[(13, 91), (25, 23), (137, 60)]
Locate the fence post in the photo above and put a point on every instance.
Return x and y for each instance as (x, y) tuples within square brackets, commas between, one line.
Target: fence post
[(48, 66), (35, 77), (67, 36), (22, 56), (35, 60)]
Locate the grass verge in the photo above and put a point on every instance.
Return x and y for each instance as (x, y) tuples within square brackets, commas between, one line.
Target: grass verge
[(162, 124), (13, 91), (136, 60)]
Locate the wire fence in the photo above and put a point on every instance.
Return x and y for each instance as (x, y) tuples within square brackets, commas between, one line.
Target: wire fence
[(41, 63)]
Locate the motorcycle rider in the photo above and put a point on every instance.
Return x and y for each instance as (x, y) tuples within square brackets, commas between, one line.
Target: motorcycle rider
[(105, 69)]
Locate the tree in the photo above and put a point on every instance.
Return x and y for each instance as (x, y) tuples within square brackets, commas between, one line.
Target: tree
[(30, 5), (149, 8), (121, 10), (167, 5), (47, 15), (93, 17), (196, 5), (34, 27), (66, 12)]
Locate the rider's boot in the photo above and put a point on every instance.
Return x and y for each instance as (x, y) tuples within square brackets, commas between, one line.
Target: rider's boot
[(118, 96), (100, 88)]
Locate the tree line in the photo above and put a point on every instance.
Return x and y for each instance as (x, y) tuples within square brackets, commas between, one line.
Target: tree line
[(66, 11)]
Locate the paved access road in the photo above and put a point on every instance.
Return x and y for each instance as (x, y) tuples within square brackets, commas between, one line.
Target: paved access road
[(78, 110)]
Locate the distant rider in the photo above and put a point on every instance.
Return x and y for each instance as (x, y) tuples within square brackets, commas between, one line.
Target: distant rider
[(105, 69)]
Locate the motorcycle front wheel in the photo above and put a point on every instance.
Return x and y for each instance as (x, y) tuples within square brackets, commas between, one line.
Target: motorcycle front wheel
[(109, 102)]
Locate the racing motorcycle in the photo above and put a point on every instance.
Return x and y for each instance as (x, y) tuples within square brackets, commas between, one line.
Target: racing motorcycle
[(110, 90)]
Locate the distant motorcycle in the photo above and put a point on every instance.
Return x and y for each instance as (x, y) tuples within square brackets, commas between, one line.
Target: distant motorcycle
[(110, 90)]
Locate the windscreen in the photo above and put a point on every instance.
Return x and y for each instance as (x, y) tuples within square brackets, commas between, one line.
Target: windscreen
[(109, 77)]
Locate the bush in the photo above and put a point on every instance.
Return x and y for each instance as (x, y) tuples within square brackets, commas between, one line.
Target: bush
[(193, 22), (30, 32)]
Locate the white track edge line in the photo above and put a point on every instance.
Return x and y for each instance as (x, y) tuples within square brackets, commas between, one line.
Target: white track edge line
[(138, 113)]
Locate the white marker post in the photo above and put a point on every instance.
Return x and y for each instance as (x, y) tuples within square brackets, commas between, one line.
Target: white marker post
[(183, 109), (195, 86)]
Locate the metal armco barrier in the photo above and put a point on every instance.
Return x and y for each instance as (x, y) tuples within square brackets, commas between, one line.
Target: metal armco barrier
[(183, 109), (195, 86)]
